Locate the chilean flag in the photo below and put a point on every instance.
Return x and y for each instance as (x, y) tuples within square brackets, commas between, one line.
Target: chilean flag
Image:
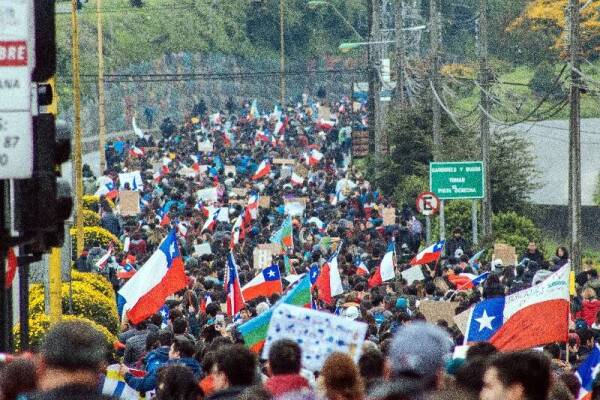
[(468, 281), (329, 282), (102, 261), (361, 268), (237, 232), (263, 170), (233, 289), (261, 136), (265, 284), (206, 300), (385, 271), (430, 254), (196, 164), (529, 318), (325, 124), (136, 152), (587, 372), (126, 272), (211, 221), (163, 215), (251, 212), (107, 189), (297, 180), (161, 276), (313, 157)]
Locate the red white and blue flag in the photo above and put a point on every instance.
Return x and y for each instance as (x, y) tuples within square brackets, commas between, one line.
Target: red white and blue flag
[(266, 283), (237, 232), (361, 268), (161, 276), (587, 372), (468, 281), (251, 212), (211, 221), (528, 318), (385, 271), (136, 152), (429, 255), (329, 281), (107, 189), (233, 289), (263, 170), (126, 271)]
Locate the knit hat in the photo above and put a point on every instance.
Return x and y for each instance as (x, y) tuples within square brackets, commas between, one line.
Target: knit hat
[(401, 303), (420, 348)]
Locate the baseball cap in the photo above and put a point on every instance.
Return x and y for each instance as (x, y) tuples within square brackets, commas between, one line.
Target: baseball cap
[(420, 349), (351, 312)]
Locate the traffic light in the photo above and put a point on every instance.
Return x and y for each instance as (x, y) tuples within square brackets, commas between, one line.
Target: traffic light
[(45, 41), (48, 97)]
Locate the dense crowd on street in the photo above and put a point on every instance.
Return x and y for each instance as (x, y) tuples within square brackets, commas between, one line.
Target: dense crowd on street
[(193, 349)]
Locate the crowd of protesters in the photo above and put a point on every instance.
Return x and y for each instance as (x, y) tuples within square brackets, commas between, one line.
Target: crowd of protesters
[(198, 352)]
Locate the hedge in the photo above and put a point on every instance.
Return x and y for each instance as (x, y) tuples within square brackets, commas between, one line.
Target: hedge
[(87, 302), (90, 218), (40, 323), (90, 202), (92, 234), (97, 281)]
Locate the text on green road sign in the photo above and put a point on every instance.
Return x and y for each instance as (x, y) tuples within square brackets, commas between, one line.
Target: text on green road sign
[(456, 180)]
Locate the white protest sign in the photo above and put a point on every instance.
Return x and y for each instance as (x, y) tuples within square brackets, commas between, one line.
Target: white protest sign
[(294, 208), (317, 333), (134, 179), (201, 249), (207, 195), (205, 147), (413, 274)]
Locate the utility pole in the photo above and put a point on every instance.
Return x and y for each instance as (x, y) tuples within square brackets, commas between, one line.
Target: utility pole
[(575, 136), (380, 139), (400, 54), (77, 127), (101, 114), (282, 52), (372, 77), (484, 75), (436, 40)]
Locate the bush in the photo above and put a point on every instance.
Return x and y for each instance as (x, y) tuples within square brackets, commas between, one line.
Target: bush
[(409, 188), (87, 302), (457, 213), (40, 323), (515, 230), (90, 218), (93, 234), (543, 83), (90, 202), (97, 281)]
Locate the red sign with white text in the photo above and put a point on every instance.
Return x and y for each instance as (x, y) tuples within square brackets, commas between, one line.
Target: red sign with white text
[(13, 53)]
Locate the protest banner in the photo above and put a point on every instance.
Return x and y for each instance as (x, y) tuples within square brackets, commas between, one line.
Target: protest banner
[(132, 179), (129, 203), (205, 147), (242, 192), (187, 172), (208, 195), (229, 169), (201, 249), (261, 258), (389, 216), (324, 112), (438, 310), (284, 161), (294, 208), (506, 253), (317, 333), (264, 201), (413, 274)]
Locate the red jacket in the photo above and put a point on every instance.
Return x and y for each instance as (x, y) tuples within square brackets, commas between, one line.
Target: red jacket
[(281, 384), (589, 310)]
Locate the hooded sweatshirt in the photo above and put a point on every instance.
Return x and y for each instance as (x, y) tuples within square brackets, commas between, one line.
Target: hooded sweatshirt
[(282, 384)]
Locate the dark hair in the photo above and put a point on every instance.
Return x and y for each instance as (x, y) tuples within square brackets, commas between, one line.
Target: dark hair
[(371, 364), (530, 369), (156, 319), (565, 255), (553, 349), (151, 340), (184, 346), (176, 382), (179, 326), (237, 363), (257, 392), (17, 377), (166, 337), (571, 382), (213, 309), (285, 357), (470, 375), (481, 349), (74, 345)]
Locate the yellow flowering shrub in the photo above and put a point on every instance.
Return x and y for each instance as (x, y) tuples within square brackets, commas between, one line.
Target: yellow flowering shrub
[(90, 218), (90, 202), (40, 323), (458, 70), (92, 234), (87, 302), (97, 281)]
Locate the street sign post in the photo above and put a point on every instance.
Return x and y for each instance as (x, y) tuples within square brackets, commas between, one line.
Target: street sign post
[(16, 63), (456, 180), (427, 204)]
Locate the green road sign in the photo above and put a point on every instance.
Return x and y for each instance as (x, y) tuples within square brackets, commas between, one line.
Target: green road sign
[(456, 180)]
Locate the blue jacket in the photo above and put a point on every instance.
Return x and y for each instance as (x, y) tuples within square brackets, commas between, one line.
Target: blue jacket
[(148, 382)]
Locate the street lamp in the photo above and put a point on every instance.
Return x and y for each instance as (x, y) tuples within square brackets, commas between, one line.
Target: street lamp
[(353, 45), (313, 4)]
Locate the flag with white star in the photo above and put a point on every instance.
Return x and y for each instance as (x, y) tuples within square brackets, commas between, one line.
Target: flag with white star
[(487, 317), (266, 283)]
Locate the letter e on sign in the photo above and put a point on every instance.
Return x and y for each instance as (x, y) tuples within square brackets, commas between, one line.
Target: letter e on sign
[(427, 203), (13, 53)]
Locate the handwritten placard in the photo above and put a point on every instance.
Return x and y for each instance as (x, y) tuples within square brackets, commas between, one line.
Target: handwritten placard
[(506, 253), (317, 333), (389, 216), (129, 203), (413, 274), (283, 161), (438, 310), (240, 191)]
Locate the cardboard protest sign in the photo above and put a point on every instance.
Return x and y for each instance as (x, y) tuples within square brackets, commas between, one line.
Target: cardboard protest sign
[(187, 172), (462, 320), (389, 216), (205, 146), (324, 112), (283, 161), (132, 179), (356, 106), (129, 203), (436, 310), (286, 171), (242, 192), (201, 249), (317, 333), (301, 170), (413, 274), (506, 253), (294, 208), (229, 169), (261, 258), (208, 195), (264, 201)]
